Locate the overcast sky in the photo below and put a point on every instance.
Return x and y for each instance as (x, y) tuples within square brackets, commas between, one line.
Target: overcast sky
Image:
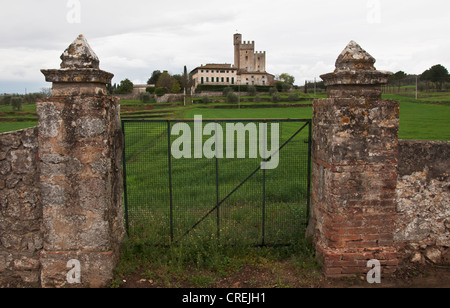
[(135, 37)]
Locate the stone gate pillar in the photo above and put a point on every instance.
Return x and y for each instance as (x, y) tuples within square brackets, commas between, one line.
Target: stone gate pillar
[(80, 151), (355, 148)]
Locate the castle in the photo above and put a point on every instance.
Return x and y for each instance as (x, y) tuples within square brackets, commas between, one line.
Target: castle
[(249, 68)]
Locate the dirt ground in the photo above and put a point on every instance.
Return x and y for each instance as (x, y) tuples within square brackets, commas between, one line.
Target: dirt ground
[(286, 276)]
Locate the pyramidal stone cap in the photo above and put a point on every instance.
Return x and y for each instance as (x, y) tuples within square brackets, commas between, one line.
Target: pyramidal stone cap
[(355, 66), (79, 64), (353, 57), (79, 55)]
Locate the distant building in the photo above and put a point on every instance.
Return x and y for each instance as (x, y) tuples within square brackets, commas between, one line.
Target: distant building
[(140, 88), (249, 68)]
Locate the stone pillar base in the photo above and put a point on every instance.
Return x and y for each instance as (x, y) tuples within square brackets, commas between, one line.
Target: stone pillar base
[(339, 263), (95, 269)]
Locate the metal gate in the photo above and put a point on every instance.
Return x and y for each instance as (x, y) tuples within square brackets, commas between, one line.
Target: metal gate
[(185, 179)]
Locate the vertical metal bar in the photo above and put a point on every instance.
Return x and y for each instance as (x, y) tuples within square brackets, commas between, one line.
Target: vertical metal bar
[(217, 188), (264, 189), (308, 189), (217, 197), (124, 170), (169, 154), (264, 209)]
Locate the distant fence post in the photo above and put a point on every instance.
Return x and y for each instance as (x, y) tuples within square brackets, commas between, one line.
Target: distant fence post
[(354, 176), (80, 151)]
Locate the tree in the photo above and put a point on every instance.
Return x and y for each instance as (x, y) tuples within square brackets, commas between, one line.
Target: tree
[(16, 103), (176, 88), (400, 75), (177, 82), (287, 79), (6, 100), (437, 74), (165, 81), (125, 87), (154, 78), (185, 79), (396, 79), (286, 82)]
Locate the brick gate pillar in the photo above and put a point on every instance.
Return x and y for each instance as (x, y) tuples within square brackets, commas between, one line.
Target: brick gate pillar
[(80, 150), (355, 147)]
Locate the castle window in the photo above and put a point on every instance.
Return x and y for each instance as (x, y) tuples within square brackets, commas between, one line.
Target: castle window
[(202, 80)]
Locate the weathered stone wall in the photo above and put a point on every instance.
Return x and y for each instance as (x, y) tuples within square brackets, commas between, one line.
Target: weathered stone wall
[(423, 201), (169, 98), (21, 238)]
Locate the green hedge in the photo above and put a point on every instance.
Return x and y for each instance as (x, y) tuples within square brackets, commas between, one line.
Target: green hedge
[(220, 88)]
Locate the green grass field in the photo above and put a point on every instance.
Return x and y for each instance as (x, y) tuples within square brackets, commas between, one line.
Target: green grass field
[(422, 121), (196, 189), (418, 120)]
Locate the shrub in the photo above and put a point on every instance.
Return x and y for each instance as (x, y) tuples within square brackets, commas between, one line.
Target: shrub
[(293, 97), (251, 90), (232, 98), (160, 91), (150, 90), (205, 100), (273, 90), (144, 97), (276, 97), (279, 86), (227, 90)]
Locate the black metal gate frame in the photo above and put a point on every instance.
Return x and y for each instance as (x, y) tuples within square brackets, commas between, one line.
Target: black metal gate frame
[(308, 123)]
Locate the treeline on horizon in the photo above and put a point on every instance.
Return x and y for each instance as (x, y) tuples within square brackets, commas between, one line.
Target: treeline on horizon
[(436, 78)]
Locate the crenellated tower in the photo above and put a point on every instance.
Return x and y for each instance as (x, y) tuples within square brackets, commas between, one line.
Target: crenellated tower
[(245, 57), (237, 47)]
